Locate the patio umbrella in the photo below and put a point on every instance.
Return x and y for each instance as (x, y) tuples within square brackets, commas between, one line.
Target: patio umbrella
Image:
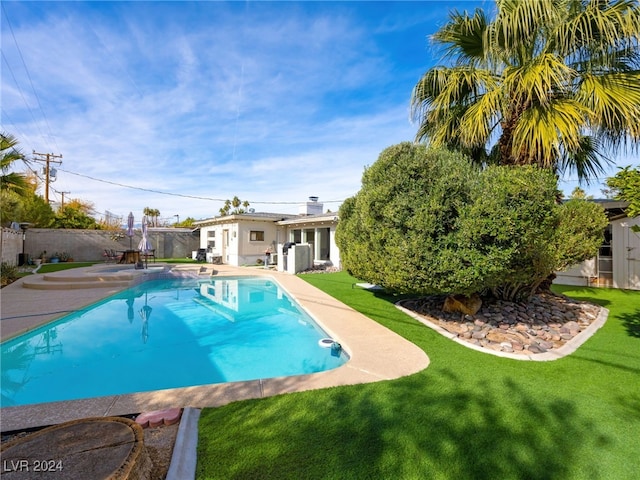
[(130, 309), (145, 314), (145, 244), (130, 228)]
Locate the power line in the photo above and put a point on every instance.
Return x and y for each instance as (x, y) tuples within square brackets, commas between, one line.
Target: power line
[(22, 94), (15, 40), (6, 118), (160, 192)]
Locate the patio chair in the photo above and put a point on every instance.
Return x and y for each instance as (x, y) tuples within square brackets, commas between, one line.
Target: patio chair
[(111, 256)]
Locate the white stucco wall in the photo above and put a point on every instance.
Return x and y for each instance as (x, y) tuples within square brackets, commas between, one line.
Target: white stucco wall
[(233, 242), (233, 239), (579, 274), (317, 224)]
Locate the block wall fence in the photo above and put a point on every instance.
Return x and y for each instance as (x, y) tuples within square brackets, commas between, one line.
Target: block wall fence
[(89, 245)]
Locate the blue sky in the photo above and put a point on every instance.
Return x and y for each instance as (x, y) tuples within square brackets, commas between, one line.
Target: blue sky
[(191, 103)]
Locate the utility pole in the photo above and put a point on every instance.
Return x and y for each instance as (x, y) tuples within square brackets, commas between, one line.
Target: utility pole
[(62, 193), (48, 160)]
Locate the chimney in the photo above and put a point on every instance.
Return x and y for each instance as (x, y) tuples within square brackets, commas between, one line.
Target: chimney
[(312, 207)]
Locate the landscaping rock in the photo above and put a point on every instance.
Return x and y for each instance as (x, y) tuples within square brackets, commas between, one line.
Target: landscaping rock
[(462, 304), (546, 323)]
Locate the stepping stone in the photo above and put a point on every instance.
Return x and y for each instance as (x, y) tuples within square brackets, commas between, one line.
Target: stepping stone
[(156, 418)]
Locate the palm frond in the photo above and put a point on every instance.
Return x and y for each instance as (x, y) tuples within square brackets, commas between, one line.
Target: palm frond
[(543, 132), (588, 161), (614, 100), (540, 81), (464, 36), (480, 119)]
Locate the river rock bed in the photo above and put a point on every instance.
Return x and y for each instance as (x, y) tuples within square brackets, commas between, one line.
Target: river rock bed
[(544, 324)]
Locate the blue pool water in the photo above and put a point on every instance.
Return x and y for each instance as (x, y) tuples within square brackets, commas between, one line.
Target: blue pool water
[(166, 334)]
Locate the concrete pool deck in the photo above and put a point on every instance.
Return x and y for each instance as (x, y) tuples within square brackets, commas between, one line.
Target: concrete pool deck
[(376, 353)]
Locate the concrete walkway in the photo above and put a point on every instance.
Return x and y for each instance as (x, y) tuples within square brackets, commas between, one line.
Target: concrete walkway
[(375, 352)]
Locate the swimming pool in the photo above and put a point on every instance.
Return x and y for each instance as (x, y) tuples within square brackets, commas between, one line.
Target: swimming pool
[(167, 334)]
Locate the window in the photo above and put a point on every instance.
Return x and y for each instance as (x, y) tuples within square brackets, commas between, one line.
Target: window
[(211, 233), (256, 236)]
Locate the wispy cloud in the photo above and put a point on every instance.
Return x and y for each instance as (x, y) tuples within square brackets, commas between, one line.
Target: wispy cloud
[(272, 102)]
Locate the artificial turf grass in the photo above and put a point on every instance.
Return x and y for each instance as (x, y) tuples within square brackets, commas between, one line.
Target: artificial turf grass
[(468, 415)]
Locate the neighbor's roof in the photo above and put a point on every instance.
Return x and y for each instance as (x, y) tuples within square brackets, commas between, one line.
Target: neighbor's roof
[(614, 209)]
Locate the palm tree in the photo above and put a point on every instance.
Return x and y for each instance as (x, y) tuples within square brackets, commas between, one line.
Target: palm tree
[(11, 181), (153, 214), (236, 203), (555, 83)]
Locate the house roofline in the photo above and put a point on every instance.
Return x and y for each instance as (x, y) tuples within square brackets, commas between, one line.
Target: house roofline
[(283, 219), (258, 217), (305, 219)]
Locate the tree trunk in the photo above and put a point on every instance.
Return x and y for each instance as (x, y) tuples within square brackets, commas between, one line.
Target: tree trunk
[(516, 292)]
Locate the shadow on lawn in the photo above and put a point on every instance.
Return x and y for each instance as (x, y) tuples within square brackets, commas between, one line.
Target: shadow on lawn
[(631, 322), (400, 429)]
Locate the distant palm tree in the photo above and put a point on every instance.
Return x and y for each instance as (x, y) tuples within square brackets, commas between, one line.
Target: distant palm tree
[(236, 203), (11, 181), (555, 83), (153, 214)]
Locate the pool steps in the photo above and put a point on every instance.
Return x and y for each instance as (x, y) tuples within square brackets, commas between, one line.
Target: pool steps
[(69, 282), (73, 279)]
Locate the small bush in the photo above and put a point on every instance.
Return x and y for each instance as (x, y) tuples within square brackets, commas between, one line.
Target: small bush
[(8, 274)]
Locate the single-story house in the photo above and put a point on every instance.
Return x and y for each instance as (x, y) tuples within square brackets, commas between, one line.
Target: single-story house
[(617, 264), (243, 239)]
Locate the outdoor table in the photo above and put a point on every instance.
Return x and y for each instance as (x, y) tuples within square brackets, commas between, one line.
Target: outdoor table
[(130, 256)]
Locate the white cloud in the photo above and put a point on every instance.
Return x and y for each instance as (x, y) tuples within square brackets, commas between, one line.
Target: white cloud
[(272, 102)]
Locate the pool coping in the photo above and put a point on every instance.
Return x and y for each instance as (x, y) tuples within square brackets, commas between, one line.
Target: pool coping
[(376, 353)]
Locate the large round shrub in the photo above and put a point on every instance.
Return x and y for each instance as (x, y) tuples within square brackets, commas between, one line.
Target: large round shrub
[(429, 221), (393, 231)]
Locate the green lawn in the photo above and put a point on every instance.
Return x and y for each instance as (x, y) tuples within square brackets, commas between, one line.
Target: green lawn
[(56, 267), (469, 415)]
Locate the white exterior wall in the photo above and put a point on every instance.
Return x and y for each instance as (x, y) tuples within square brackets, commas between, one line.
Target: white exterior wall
[(234, 245), (319, 251), (626, 254), (222, 249), (335, 256), (233, 240), (249, 251), (580, 274)]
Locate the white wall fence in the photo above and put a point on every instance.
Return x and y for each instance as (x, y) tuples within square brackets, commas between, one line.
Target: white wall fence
[(89, 245)]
